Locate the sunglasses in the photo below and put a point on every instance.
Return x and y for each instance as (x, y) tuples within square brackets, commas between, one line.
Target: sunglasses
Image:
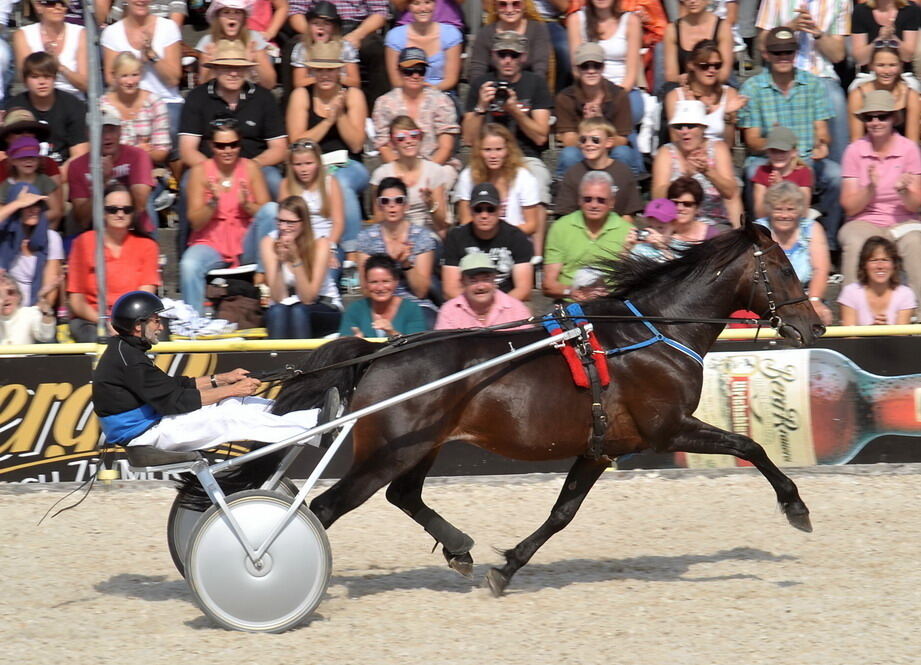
[(685, 125), (867, 117), (594, 140), (388, 200), (303, 145), (223, 122), (705, 66), (52, 3), (413, 71), (485, 207), (504, 55), (683, 204), (113, 210), (591, 66), (784, 53), (289, 222), (595, 199), (407, 134), (514, 4), (885, 43), (225, 145)]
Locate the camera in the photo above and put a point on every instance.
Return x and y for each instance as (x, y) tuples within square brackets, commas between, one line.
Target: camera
[(642, 235), (497, 105)]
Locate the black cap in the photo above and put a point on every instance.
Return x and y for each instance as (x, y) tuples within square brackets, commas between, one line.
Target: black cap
[(324, 9), (484, 193)]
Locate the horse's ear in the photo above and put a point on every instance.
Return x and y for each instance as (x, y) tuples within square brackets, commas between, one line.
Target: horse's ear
[(750, 229)]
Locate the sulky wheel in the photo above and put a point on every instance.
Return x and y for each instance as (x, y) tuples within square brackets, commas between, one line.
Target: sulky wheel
[(182, 521), (290, 580)]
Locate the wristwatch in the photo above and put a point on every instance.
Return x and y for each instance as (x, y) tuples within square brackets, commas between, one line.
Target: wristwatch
[(479, 111)]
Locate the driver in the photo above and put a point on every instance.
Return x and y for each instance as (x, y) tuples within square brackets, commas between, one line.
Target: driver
[(139, 404)]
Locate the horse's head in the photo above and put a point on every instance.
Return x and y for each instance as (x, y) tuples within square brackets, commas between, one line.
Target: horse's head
[(777, 294)]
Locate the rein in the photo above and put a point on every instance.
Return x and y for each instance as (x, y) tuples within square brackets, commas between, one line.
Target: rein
[(415, 340)]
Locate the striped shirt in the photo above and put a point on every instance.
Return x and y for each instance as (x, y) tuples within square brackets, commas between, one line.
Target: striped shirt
[(767, 106), (833, 17)]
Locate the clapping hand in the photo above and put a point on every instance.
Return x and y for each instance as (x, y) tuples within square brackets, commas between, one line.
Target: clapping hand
[(698, 160)]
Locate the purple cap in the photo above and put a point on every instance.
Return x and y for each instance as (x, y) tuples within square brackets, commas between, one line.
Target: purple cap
[(24, 146), (661, 209)]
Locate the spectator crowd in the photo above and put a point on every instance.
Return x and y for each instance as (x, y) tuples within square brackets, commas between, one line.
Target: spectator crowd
[(445, 167)]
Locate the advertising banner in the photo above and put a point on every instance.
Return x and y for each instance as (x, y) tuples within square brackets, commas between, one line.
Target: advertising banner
[(855, 400)]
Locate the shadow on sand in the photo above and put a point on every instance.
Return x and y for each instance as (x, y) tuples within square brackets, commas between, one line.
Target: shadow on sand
[(560, 574)]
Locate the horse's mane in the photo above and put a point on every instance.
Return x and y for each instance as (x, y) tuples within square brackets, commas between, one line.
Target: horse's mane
[(629, 275)]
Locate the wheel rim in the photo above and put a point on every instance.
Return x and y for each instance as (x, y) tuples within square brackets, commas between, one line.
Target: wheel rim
[(275, 597), (181, 523)]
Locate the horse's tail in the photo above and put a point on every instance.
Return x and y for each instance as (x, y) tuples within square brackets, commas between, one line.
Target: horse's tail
[(306, 389)]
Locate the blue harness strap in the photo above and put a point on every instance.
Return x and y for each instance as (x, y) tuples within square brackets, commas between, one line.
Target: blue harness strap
[(656, 337)]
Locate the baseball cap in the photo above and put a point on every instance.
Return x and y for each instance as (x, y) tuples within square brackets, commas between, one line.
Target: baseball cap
[(484, 193), (324, 9), (510, 41), (661, 209), (412, 55), (780, 138), (780, 39), (111, 117), (477, 262), (588, 52)]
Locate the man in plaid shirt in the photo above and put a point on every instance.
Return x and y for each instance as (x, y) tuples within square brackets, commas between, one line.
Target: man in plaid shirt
[(362, 21), (792, 98)]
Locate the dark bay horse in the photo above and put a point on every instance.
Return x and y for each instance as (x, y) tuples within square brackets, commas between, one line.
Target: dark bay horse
[(530, 409)]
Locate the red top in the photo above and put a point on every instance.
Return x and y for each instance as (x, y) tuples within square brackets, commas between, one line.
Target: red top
[(136, 267), (800, 176), (228, 225)]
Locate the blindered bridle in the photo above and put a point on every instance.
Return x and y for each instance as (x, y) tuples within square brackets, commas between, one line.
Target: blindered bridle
[(773, 307)]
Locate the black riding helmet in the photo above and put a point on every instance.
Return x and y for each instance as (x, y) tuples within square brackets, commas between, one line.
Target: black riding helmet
[(132, 307)]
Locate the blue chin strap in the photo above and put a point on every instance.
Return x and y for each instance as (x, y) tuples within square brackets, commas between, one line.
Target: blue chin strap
[(656, 338)]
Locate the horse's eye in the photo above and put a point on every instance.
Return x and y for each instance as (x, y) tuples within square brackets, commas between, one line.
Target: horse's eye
[(787, 271)]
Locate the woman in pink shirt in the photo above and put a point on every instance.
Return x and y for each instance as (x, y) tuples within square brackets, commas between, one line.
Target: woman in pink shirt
[(881, 189), (877, 297), (224, 194)]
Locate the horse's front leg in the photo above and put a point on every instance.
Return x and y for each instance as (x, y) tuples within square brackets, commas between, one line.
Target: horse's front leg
[(405, 492), (696, 436), (579, 481)]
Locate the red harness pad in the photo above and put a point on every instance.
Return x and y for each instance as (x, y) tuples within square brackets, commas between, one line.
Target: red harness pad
[(577, 369)]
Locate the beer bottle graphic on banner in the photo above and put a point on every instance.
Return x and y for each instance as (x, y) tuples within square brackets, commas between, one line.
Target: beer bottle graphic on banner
[(805, 406)]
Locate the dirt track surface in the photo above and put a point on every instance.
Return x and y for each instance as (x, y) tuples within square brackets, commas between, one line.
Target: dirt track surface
[(657, 568)]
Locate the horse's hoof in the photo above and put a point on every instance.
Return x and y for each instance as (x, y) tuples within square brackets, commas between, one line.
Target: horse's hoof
[(798, 517), (496, 582), (462, 563)]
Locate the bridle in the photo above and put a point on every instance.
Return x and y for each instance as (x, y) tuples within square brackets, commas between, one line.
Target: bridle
[(773, 307)]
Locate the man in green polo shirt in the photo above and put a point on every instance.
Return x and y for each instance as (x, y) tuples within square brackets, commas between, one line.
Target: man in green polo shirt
[(582, 239)]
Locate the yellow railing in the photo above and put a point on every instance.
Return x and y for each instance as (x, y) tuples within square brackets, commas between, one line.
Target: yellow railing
[(216, 346)]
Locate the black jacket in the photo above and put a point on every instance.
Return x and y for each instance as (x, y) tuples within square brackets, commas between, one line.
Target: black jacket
[(131, 394)]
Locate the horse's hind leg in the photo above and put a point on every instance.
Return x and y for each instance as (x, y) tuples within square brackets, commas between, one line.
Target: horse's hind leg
[(378, 468), (699, 437), (405, 492), (579, 481)]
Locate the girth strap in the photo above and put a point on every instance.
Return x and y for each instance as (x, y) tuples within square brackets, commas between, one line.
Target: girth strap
[(586, 355)]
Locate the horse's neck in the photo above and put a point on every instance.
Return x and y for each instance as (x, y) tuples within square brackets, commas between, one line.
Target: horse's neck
[(714, 298)]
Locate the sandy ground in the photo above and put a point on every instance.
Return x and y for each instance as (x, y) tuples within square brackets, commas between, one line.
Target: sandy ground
[(658, 568)]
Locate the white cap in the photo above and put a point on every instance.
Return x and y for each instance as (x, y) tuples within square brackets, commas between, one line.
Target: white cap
[(689, 112)]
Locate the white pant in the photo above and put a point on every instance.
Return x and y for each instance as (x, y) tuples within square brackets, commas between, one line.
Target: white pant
[(231, 419)]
